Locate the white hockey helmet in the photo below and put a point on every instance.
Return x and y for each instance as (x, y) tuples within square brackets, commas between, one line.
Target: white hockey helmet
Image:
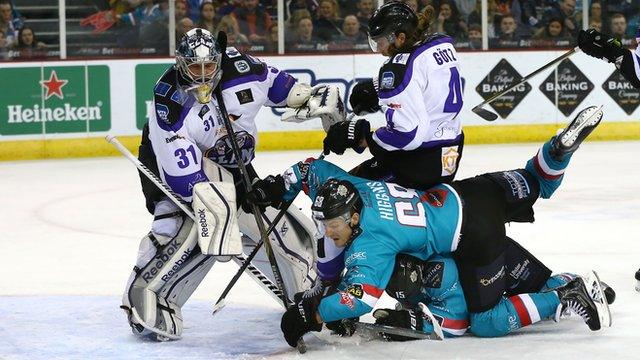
[(199, 61)]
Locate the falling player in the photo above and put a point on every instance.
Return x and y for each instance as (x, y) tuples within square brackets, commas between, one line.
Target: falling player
[(374, 221)]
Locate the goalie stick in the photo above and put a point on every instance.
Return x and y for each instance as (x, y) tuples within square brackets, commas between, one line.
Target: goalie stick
[(222, 41), (491, 116), (376, 331)]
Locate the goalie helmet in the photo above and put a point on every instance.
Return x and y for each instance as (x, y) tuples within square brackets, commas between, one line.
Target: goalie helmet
[(389, 20), (199, 61), (335, 199)]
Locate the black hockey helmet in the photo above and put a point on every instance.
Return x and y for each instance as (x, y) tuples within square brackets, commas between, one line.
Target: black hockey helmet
[(336, 198), (389, 20), (406, 283), (199, 49)]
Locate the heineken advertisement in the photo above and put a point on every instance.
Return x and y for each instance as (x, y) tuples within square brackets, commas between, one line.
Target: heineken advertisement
[(146, 77), (52, 100)]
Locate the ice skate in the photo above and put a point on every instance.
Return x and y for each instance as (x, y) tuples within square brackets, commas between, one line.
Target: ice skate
[(572, 136), (575, 297)]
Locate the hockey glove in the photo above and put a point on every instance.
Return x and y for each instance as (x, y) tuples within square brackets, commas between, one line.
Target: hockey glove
[(601, 46), (266, 192), (346, 134), (408, 319), (300, 318), (364, 98)]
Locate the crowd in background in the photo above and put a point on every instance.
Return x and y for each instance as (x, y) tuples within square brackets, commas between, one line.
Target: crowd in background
[(16, 39), (142, 26)]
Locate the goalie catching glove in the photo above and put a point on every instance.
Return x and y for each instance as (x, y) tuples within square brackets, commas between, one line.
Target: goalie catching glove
[(323, 101)]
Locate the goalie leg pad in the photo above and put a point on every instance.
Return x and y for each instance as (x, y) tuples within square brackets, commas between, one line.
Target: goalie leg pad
[(293, 246), (164, 278), (214, 204)]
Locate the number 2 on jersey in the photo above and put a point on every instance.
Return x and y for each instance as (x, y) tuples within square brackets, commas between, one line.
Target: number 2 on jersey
[(453, 104)]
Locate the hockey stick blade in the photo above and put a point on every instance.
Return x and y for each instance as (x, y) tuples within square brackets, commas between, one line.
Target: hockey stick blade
[(376, 331), (218, 306), (484, 113)]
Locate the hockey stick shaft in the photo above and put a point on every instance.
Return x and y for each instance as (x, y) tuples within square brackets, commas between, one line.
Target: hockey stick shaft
[(151, 176), (253, 253), (495, 96), (257, 214)]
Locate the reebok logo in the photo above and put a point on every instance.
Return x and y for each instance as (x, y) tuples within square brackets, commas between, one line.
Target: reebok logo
[(202, 219)]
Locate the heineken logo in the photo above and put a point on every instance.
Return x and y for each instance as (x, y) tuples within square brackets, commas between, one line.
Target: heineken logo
[(620, 90), (499, 78), (53, 86), (569, 88), (58, 99)]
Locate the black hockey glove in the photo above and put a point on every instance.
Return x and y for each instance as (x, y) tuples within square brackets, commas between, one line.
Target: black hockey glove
[(346, 134), (364, 98), (408, 319), (265, 192), (300, 318), (601, 46)]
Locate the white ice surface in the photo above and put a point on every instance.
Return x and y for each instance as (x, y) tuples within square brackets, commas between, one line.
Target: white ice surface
[(69, 232)]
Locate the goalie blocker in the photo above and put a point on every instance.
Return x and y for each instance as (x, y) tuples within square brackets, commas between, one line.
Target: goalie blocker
[(177, 254)]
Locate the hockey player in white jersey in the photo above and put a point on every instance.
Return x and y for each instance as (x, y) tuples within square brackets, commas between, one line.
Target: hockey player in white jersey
[(186, 145), (419, 89)]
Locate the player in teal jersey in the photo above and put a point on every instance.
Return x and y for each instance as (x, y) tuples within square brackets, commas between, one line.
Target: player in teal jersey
[(375, 221)]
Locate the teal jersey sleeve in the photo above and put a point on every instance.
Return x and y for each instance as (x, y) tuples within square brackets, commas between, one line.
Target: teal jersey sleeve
[(309, 175)]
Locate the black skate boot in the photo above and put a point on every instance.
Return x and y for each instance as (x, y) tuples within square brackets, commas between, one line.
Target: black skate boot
[(572, 136), (575, 297), (609, 294)]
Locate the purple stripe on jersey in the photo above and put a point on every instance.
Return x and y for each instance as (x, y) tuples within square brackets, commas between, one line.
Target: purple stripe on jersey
[(245, 79), (183, 185), (395, 138), (439, 143), (331, 269), (282, 84), (409, 72)]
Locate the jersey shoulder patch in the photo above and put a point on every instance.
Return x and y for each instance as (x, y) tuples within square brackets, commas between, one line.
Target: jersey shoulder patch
[(393, 71), (238, 68), (169, 99)]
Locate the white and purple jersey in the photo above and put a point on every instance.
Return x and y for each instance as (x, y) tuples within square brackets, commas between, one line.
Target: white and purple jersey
[(421, 95), (630, 64), (183, 131)]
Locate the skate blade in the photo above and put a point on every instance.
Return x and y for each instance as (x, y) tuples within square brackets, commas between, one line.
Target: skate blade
[(597, 295), (592, 116)]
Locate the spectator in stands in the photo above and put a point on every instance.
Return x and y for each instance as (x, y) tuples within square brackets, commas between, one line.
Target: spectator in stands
[(328, 25), (509, 29), (304, 38), (150, 21), (449, 22), (365, 9), (27, 45), (565, 10), (9, 24), (475, 36), (180, 10), (618, 25), (253, 21), (229, 25), (352, 31), (3, 46), (208, 16), (182, 26), (553, 32)]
